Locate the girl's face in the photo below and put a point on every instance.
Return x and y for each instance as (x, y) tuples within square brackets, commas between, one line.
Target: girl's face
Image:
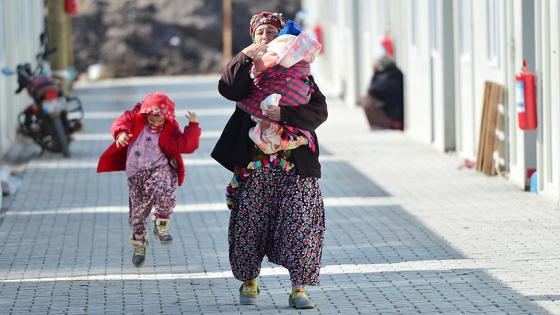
[(155, 120), (265, 33)]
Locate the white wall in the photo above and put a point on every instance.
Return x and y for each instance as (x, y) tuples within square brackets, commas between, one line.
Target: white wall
[(548, 78), (443, 74), (327, 72), (369, 35), (465, 103), (20, 25), (521, 29), (418, 81), (490, 38)]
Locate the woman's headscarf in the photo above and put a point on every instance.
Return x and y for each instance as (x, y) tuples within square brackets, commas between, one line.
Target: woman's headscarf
[(274, 19)]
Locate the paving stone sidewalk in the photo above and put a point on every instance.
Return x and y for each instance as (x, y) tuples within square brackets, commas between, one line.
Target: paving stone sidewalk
[(407, 231)]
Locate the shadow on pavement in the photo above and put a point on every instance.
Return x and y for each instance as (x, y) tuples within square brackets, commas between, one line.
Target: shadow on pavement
[(64, 241)]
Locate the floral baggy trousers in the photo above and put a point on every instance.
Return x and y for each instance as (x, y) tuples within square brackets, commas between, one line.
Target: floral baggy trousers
[(277, 214), (150, 189)]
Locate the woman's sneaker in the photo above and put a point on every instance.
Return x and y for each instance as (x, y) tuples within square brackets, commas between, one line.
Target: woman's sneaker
[(249, 293), (300, 300)]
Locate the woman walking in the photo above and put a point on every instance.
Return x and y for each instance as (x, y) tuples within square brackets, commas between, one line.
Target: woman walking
[(276, 204)]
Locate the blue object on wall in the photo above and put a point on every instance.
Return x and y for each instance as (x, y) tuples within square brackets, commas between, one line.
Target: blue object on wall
[(534, 183)]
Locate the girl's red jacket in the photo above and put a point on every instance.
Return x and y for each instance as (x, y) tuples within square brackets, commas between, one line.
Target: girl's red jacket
[(172, 141)]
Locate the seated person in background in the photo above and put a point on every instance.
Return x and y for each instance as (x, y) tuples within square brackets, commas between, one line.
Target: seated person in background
[(384, 103)]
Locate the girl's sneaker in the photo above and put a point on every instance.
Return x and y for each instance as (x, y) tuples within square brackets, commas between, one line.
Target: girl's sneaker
[(140, 249), (161, 230)]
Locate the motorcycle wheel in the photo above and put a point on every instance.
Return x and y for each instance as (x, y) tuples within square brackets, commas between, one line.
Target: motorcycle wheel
[(33, 126), (59, 136)]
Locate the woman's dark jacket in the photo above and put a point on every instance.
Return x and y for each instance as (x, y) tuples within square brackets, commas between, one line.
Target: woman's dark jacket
[(388, 86), (234, 145)]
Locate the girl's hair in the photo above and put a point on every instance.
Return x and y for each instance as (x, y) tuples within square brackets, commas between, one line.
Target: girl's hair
[(158, 103)]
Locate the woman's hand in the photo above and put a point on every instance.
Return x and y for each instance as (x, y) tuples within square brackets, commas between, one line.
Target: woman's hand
[(192, 116), (122, 139), (254, 49), (273, 112)]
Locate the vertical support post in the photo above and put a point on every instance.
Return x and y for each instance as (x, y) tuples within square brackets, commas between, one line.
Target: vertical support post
[(58, 31), (227, 34)]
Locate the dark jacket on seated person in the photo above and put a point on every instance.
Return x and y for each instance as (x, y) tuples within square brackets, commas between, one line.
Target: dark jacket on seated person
[(387, 86)]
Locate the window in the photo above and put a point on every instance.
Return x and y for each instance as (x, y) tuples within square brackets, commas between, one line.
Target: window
[(24, 9), (335, 10), (2, 28), (413, 4), (381, 18), (465, 29), (493, 33), (435, 26)]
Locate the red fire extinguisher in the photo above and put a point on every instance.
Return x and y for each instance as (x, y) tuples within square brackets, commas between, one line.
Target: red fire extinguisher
[(319, 36), (525, 98), (71, 6), (387, 44)]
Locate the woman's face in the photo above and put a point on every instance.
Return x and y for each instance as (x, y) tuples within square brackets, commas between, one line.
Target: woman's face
[(155, 120), (265, 33)]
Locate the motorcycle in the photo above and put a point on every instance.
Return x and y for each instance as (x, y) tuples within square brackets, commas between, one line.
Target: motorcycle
[(52, 117)]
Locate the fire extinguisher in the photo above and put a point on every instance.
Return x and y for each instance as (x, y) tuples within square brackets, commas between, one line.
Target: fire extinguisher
[(525, 98), (387, 44), (319, 37), (71, 6)]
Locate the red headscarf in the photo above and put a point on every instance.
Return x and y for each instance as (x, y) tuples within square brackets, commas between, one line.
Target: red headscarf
[(274, 19), (159, 104)]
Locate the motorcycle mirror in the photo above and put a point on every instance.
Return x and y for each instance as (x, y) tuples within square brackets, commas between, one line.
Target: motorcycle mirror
[(43, 38), (7, 71)]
